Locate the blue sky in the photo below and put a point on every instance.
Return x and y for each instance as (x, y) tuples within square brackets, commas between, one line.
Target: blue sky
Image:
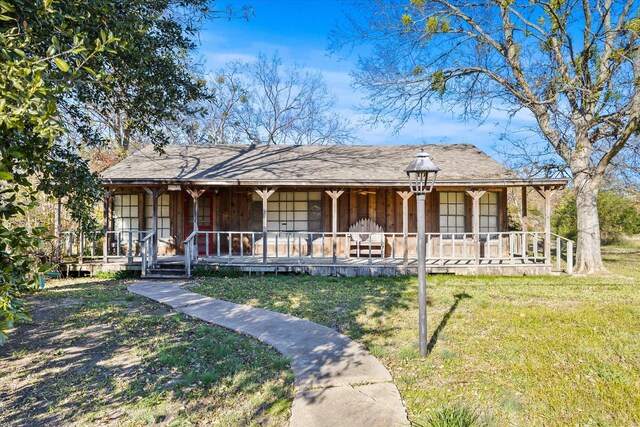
[(298, 30)]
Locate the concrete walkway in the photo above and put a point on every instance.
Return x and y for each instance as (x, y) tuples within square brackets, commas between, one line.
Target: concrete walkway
[(337, 381)]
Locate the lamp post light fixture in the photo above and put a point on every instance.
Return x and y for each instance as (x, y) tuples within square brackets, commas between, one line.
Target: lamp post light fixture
[(422, 175)]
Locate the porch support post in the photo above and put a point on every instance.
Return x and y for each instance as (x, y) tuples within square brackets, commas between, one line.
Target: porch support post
[(264, 194), (80, 244), (475, 222), (525, 226), (154, 193), (524, 214), (334, 222), (57, 223), (106, 198), (405, 195), (195, 194), (546, 193)]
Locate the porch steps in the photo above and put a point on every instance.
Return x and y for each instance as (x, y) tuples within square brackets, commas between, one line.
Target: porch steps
[(167, 271)]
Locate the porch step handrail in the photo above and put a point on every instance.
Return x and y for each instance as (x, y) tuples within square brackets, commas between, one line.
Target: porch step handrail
[(190, 251), (568, 244), (146, 252)]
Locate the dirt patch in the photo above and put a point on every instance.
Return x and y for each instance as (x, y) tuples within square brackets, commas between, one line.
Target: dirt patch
[(96, 354), (52, 368)]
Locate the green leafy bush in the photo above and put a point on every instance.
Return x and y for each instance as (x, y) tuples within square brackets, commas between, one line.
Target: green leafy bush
[(619, 216)]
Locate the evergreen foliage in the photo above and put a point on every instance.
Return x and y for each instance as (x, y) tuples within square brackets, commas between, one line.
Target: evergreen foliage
[(72, 72)]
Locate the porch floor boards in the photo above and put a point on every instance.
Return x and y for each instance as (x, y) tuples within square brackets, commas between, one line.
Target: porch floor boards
[(325, 266), (298, 261), (357, 262)]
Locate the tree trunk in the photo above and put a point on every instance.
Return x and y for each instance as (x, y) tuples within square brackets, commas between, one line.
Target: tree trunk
[(589, 258)]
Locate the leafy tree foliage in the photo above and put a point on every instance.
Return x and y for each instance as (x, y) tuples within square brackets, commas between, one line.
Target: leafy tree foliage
[(72, 73), (264, 102), (574, 66), (619, 216)]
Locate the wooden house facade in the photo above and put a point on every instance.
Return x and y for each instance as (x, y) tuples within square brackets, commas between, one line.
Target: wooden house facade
[(318, 209)]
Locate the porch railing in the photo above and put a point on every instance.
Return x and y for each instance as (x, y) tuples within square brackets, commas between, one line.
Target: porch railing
[(506, 247), (146, 252), (232, 244), (509, 246), (190, 252), (90, 245), (513, 247), (74, 243), (562, 248)]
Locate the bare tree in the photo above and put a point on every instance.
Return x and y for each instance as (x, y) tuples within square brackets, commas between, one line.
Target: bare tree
[(264, 102), (574, 65), (217, 119)]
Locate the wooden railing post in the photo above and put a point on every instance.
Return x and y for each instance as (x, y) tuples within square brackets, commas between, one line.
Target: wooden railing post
[(107, 208), (143, 261), (58, 230), (187, 258), (130, 251), (81, 245), (569, 257)]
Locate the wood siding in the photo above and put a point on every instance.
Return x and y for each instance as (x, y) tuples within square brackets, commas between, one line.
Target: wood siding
[(232, 210)]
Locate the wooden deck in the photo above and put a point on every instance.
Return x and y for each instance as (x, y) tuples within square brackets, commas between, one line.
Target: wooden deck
[(325, 266), (375, 266)]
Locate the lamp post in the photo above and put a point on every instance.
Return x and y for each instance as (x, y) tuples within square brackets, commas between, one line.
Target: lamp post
[(422, 175)]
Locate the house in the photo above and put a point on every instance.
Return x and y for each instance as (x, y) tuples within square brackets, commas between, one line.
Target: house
[(320, 209)]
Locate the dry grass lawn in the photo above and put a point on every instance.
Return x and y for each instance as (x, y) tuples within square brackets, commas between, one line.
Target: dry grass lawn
[(97, 355), (515, 350)]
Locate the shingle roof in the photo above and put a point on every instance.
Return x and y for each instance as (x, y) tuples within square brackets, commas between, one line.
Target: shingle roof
[(303, 165)]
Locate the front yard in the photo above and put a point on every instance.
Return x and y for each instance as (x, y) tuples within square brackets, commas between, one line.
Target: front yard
[(98, 355), (516, 350)]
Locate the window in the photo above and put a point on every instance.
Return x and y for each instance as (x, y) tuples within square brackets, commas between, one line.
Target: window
[(489, 213), (452, 212), (164, 230), (125, 212), (289, 211)]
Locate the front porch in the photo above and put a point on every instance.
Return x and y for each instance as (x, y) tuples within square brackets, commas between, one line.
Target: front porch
[(262, 207), (507, 253)]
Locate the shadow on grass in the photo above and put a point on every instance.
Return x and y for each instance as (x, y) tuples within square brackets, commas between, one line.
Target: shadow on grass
[(340, 303), (86, 356), (443, 323)]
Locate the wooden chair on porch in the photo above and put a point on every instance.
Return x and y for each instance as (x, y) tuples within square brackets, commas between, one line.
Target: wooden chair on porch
[(366, 238)]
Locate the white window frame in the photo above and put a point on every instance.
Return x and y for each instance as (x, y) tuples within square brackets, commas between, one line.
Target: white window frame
[(490, 212), (452, 212), (164, 215), (291, 211), (125, 212)]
